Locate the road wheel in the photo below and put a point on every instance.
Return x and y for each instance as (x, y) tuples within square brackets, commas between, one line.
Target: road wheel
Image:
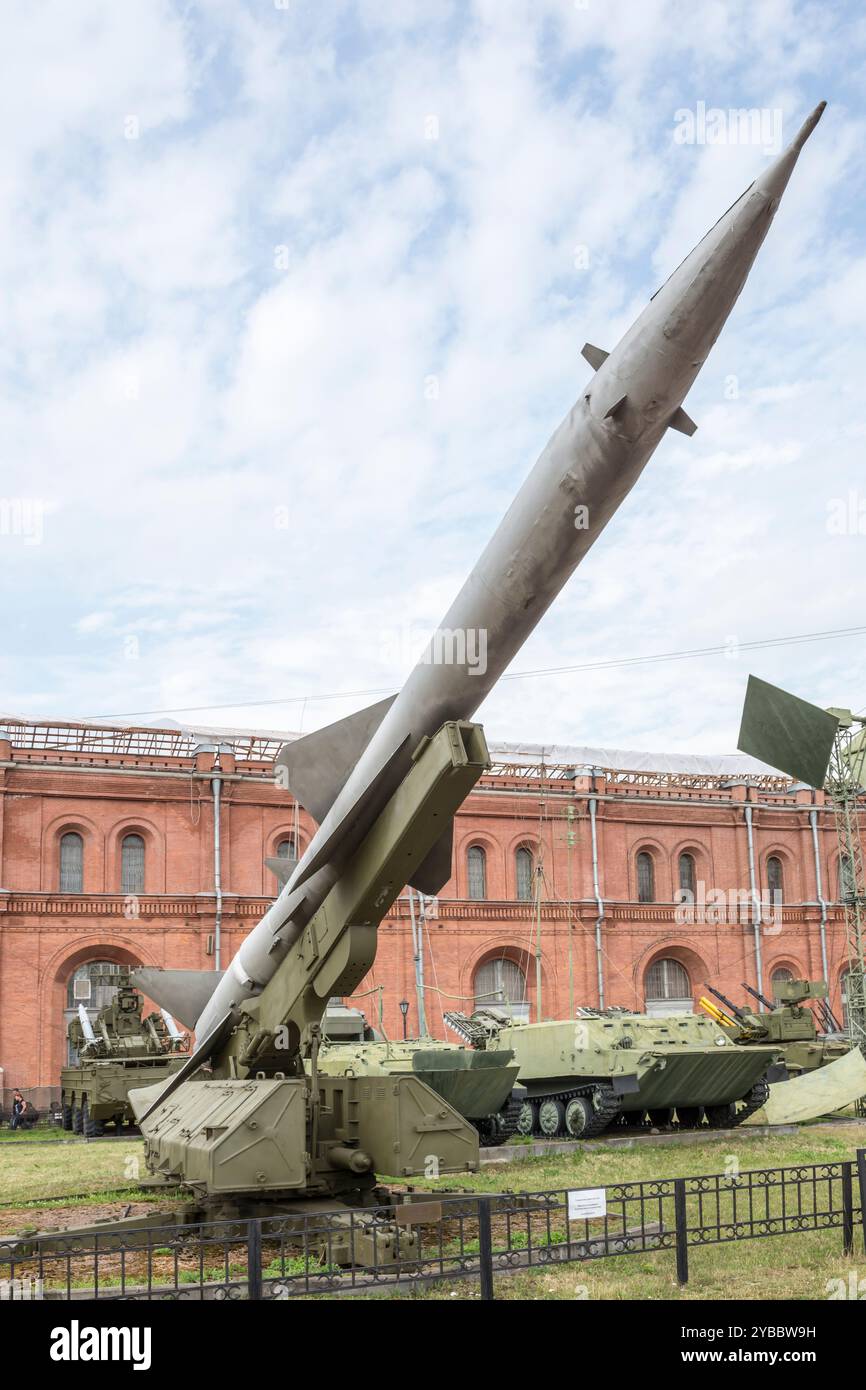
[(526, 1119), (689, 1116), (76, 1119), (578, 1115), (66, 1115), (721, 1116), (551, 1118)]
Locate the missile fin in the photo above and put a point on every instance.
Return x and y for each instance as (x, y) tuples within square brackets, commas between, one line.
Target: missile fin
[(615, 408), (318, 764), (281, 867), (333, 835), (595, 356), (434, 872), (682, 422), (183, 992), (144, 1099)]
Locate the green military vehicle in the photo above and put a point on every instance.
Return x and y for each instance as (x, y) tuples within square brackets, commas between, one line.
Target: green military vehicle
[(481, 1086), (788, 1024), (614, 1067), (117, 1052)]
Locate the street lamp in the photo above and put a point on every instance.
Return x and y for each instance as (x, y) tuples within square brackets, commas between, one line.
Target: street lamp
[(404, 1009)]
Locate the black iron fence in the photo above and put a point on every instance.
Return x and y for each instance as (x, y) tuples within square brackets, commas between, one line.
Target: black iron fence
[(425, 1238)]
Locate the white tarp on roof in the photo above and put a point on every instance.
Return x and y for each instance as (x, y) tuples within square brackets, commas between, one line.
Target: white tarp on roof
[(630, 760)]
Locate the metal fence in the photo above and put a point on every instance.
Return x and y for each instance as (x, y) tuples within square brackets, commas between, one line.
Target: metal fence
[(425, 1238)]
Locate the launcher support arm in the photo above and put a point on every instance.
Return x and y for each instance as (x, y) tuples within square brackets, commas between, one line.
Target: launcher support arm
[(338, 945)]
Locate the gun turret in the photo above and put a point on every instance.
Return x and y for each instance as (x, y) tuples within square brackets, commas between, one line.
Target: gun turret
[(761, 998), (728, 1003)]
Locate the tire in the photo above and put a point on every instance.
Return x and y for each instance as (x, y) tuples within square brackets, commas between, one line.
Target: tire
[(578, 1116), (90, 1128), (490, 1131), (66, 1116), (526, 1119), (551, 1118), (76, 1120), (721, 1116), (689, 1116)]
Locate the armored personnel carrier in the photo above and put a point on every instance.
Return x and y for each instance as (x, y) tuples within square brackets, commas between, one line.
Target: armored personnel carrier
[(788, 1024), (116, 1053), (615, 1067), (481, 1086)]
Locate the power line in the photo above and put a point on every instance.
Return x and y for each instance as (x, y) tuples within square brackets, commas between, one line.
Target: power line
[(724, 649)]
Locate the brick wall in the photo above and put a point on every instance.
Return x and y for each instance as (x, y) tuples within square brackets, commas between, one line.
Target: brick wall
[(46, 935)]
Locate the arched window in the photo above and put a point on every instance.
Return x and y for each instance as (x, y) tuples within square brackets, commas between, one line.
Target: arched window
[(780, 976), (667, 988), (774, 878), (846, 879), (132, 864), (843, 986), (501, 984), (286, 849), (646, 888), (476, 863), (524, 866), (688, 879), (71, 863)]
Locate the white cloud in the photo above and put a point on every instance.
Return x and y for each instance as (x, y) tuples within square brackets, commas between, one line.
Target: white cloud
[(276, 475)]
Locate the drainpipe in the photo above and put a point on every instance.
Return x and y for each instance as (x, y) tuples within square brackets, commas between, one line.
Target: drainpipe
[(822, 903), (217, 870), (756, 905), (418, 959), (599, 902)]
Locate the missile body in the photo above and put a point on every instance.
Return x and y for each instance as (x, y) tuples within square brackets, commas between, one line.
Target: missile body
[(591, 462)]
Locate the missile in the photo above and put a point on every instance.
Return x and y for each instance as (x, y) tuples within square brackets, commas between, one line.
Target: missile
[(344, 774)]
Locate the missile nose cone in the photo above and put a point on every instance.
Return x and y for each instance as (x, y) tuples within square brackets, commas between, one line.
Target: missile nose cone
[(773, 182), (808, 126)]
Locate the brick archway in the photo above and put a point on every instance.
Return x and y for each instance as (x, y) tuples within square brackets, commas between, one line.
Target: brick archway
[(52, 991)]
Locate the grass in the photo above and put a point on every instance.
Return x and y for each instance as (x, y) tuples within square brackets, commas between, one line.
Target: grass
[(601, 1167), (44, 1134), (44, 1173), (70, 1179), (780, 1267)]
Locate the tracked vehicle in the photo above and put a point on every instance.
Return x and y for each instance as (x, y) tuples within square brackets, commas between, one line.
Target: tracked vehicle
[(585, 1075), (117, 1052), (481, 1086)]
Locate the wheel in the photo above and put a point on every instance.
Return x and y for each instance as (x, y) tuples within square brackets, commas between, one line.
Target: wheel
[(526, 1119), (90, 1128), (660, 1119), (76, 1119), (578, 1115), (490, 1130), (721, 1116), (66, 1115), (551, 1118), (689, 1116)]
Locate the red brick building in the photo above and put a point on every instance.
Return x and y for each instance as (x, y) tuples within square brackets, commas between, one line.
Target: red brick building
[(107, 854)]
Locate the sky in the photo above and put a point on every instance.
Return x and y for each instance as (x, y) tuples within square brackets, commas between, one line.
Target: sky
[(294, 295)]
